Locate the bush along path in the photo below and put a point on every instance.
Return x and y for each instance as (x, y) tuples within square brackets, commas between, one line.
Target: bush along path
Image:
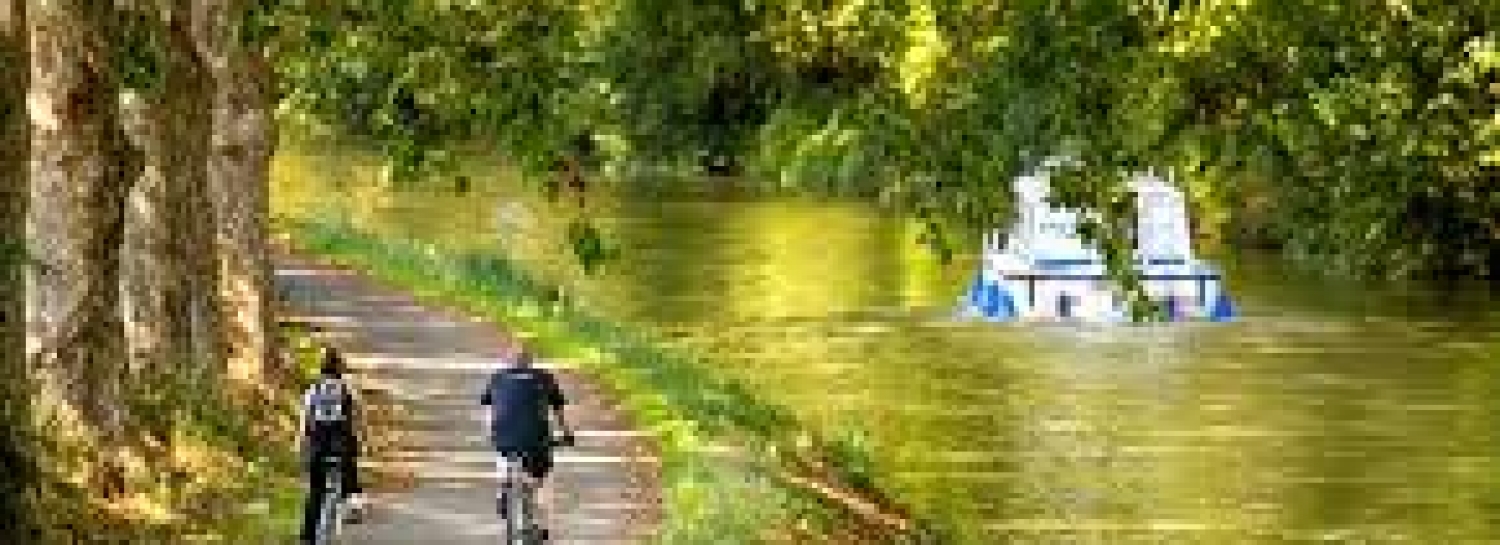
[(429, 366)]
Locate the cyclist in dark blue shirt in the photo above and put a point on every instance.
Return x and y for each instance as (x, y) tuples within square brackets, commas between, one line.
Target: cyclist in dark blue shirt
[(520, 398)]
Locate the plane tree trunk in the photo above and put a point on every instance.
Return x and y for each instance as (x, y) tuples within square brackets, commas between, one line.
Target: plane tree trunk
[(81, 169), (168, 285), (239, 172)]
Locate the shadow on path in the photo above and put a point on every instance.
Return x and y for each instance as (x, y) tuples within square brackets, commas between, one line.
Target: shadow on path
[(430, 364)]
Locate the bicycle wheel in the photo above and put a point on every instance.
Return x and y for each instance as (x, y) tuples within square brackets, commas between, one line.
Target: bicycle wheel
[(518, 526), (329, 521), (531, 527)]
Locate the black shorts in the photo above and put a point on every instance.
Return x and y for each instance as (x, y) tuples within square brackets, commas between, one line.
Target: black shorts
[(537, 462)]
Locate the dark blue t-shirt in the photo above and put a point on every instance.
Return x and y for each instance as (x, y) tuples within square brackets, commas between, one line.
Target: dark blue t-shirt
[(518, 400)]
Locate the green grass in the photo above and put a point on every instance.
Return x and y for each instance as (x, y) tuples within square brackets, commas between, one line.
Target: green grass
[(230, 475), (726, 453)]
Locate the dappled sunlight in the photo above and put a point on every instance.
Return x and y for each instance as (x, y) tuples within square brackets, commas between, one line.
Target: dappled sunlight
[(203, 482), (145, 509), (925, 49), (428, 366)]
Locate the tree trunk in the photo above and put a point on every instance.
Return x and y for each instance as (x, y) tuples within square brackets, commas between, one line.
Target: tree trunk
[(14, 151), (80, 171), (167, 276), (16, 453), (239, 172)]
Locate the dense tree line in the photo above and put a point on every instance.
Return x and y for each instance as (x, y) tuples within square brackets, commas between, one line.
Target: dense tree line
[(136, 138), (1361, 135)]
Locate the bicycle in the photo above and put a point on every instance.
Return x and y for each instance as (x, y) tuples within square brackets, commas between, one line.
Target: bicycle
[(517, 501), (330, 523)]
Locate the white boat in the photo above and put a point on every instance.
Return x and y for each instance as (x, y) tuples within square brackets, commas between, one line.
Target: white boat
[(1046, 271)]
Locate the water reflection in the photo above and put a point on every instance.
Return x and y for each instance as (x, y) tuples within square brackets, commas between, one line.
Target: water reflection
[(1330, 413)]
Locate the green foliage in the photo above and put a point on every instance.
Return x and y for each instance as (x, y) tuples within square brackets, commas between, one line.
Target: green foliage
[(590, 246), (141, 56), (1361, 136)]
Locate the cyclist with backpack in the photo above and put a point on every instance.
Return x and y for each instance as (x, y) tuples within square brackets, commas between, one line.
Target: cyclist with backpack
[(328, 430)]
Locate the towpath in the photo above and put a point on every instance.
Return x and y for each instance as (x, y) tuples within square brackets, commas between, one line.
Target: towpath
[(426, 366)]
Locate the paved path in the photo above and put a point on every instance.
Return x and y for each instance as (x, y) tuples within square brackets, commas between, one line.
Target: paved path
[(427, 365)]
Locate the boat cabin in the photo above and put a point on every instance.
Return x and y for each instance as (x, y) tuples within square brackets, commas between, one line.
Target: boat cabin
[(1041, 269)]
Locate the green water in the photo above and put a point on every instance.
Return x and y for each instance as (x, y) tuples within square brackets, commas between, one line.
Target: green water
[(1329, 413)]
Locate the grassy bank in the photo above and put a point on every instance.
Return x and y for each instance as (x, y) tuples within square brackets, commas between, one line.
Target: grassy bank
[(207, 463), (735, 469)]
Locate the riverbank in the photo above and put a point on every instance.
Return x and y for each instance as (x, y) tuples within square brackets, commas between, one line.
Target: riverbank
[(733, 466), (225, 470)]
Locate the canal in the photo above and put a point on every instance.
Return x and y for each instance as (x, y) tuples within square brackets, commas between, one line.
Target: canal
[(1329, 412)]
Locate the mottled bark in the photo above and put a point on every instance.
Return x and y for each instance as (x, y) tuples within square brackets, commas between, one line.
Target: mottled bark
[(16, 453), (167, 274), (239, 172), (80, 170)]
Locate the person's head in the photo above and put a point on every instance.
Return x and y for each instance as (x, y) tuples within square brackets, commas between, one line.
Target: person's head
[(523, 358), (333, 363)]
